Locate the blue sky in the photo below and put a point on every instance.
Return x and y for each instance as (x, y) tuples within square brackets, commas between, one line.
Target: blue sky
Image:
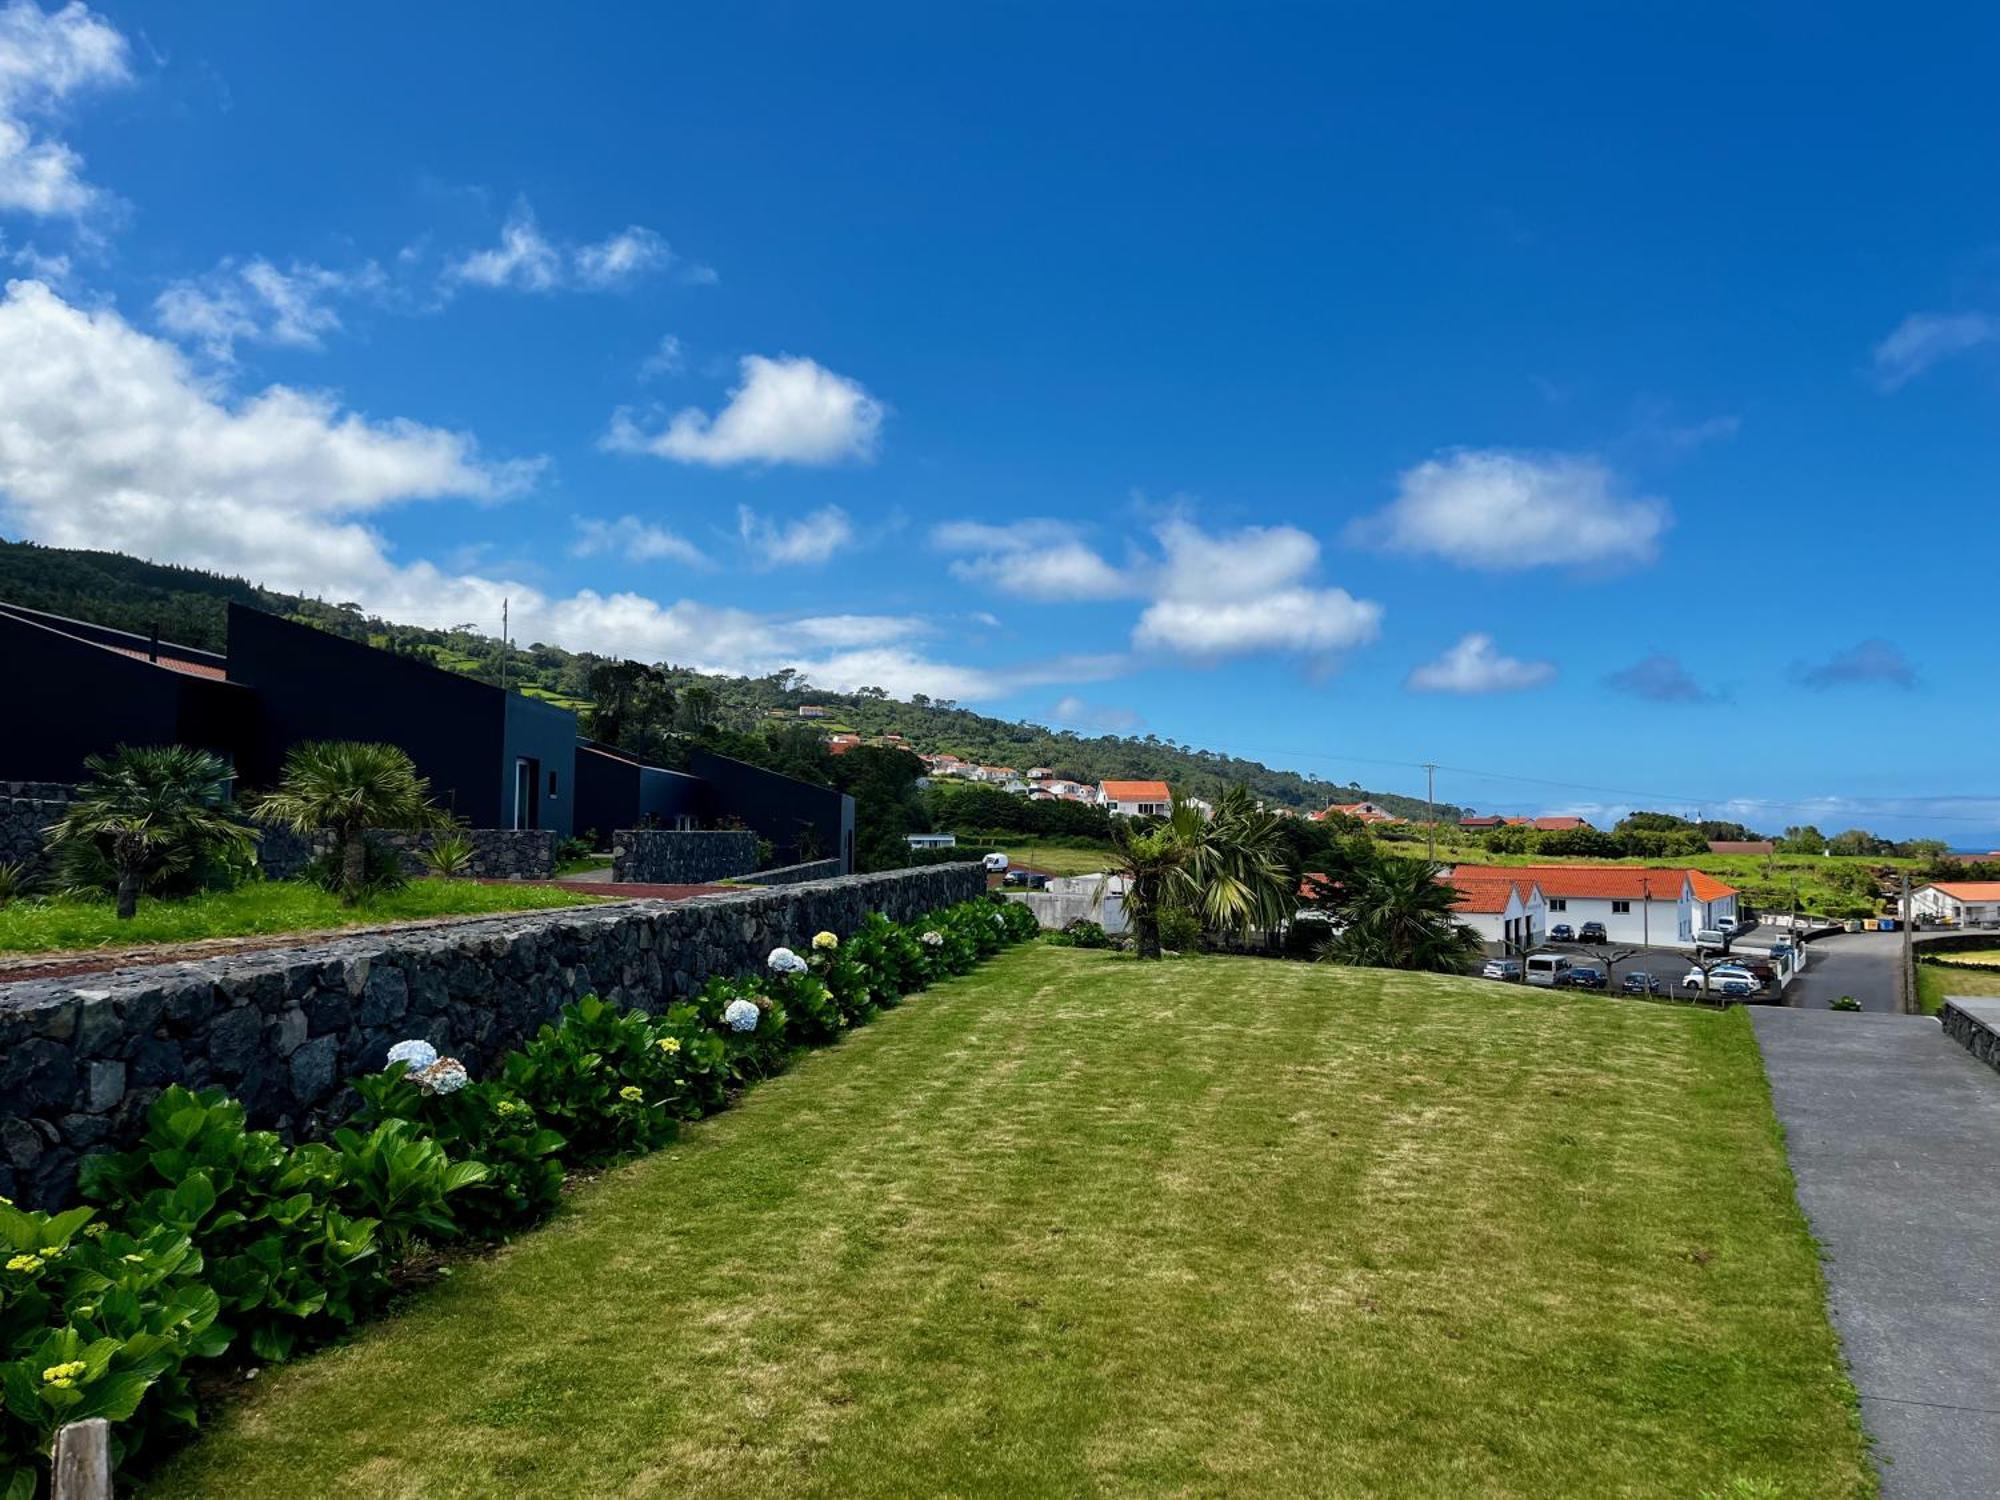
[(1602, 407)]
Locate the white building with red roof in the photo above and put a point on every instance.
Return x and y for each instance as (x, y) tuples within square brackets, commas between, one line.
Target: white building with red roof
[(1136, 799), (1635, 904), (1502, 907), (1964, 903)]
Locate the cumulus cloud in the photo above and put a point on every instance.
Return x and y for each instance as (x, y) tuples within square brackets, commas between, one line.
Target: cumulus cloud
[(1923, 339), (1035, 559), (1073, 712), (1229, 594), (110, 439), (1476, 665), (527, 260), (784, 410), (46, 59), (809, 540), (1870, 663), (1499, 510), (634, 540), (1660, 678), (256, 302)]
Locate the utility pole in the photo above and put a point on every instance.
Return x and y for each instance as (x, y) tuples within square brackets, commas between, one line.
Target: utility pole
[(1907, 980), (1646, 911), (1431, 807), (503, 643)]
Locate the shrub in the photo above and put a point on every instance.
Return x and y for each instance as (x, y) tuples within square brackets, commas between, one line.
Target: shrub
[(16, 880), (483, 1122), (344, 788), (381, 870), (1180, 929), (1845, 1002), (404, 1180), (449, 854), (600, 1078), (1084, 933)]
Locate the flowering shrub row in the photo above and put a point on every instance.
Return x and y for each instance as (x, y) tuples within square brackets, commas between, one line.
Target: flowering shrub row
[(209, 1239)]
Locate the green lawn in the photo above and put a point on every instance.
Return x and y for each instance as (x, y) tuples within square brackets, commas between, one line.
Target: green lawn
[(1057, 859), (1935, 981), (36, 926), (1072, 1225)]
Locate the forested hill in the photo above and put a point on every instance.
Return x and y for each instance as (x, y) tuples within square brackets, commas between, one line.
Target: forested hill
[(190, 606)]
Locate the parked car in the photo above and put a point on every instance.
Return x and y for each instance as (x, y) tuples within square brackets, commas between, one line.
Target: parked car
[(1548, 969), (1562, 932), (1502, 968), (1718, 977), (1585, 978), (1592, 932), (1738, 988), (1639, 982), (1033, 880)]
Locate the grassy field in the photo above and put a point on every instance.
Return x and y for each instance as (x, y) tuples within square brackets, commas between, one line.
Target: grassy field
[(1934, 981), (36, 926), (1055, 859), (1076, 1226)]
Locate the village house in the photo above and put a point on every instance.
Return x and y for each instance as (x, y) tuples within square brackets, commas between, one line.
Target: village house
[(1636, 905), (1963, 903), (1506, 911), (1137, 799), (1367, 812)]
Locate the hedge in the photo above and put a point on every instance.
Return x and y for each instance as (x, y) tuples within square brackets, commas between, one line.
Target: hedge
[(211, 1242)]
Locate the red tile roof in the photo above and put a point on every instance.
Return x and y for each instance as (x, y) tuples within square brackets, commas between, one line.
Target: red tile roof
[(1137, 791), (173, 663), (1603, 882), (1488, 897), (1970, 890)]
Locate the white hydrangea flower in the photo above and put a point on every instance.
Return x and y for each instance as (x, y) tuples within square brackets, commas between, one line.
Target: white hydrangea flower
[(445, 1076), (416, 1052), (741, 1015), (933, 940), (784, 961)]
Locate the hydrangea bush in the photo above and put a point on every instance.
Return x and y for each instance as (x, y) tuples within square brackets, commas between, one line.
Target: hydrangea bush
[(211, 1241)]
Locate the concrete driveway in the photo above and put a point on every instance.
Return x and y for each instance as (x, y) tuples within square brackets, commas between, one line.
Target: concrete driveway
[(1861, 964)]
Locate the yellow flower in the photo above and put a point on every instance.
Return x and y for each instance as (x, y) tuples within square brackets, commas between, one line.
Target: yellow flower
[(94, 1230), (670, 1044), (826, 942), (63, 1374), (633, 1092), (24, 1263), (62, 1385)]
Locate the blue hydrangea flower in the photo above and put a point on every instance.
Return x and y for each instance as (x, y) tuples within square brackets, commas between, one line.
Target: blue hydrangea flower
[(784, 961), (740, 1015), (416, 1052)]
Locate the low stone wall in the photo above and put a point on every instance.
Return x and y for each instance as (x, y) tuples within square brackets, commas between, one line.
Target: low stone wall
[(817, 869), (26, 810), (669, 856), (497, 853), (82, 1058), (1975, 1026)]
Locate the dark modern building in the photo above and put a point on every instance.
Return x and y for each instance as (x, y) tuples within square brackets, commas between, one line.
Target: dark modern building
[(496, 759)]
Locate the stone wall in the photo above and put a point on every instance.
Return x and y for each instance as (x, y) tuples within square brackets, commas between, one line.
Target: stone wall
[(817, 869), (82, 1058), (26, 809), (1975, 1025), (668, 856), (497, 853)]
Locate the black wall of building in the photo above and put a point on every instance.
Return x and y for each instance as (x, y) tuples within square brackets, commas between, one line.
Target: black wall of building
[(74, 699), (316, 686), (547, 735), (613, 792), (780, 808)]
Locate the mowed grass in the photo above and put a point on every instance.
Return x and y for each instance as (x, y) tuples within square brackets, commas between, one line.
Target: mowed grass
[(1936, 981), (1056, 859), (1074, 1225), (261, 907)]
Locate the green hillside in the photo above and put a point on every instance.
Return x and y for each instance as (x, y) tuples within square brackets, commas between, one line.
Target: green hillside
[(190, 606)]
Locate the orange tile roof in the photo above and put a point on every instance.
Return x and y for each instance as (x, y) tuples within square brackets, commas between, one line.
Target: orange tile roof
[(1487, 896), (1602, 882), (173, 663), (1970, 890), (1137, 791)]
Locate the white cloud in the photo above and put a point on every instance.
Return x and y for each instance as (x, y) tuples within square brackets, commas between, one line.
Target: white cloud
[(634, 540), (526, 260), (1922, 339), (1034, 559), (809, 540), (1499, 510), (45, 59), (256, 302), (1475, 665), (110, 439), (1226, 595), (667, 358), (783, 410), (1073, 712)]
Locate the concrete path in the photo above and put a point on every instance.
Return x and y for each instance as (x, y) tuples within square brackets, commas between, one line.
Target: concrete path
[(1894, 1136), (1861, 964)]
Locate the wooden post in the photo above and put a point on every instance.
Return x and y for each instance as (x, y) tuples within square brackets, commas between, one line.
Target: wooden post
[(81, 1461)]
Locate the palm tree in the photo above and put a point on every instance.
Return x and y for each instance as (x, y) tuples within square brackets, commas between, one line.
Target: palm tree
[(150, 811), (1396, 913), (344, 788), (1229, 869)]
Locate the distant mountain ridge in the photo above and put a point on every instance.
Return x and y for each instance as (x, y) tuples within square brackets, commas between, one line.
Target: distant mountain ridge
[(190, 606)]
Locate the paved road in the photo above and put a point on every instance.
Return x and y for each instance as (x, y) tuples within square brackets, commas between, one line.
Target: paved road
[(1861, 964), (1893, 1131)]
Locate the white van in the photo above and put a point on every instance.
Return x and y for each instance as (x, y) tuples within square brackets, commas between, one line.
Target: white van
[(995, 862), (1547, 969)]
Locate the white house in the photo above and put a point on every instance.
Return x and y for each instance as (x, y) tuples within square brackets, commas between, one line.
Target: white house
[(1137, 799), (931, 840), (1507, 912), (1636, 905), (1965, 903)]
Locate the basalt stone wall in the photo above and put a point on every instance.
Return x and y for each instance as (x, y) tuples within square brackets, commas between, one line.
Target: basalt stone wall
[(668, 856), (497, 853), (818, 869), (1975, 1026), (26, 810), (81, 1058)]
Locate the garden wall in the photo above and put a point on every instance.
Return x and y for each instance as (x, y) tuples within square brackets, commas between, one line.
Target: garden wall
[(82, 1058), (26, 809), (497, 853), (668, 856), (817, 869), (1975, 1025)]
